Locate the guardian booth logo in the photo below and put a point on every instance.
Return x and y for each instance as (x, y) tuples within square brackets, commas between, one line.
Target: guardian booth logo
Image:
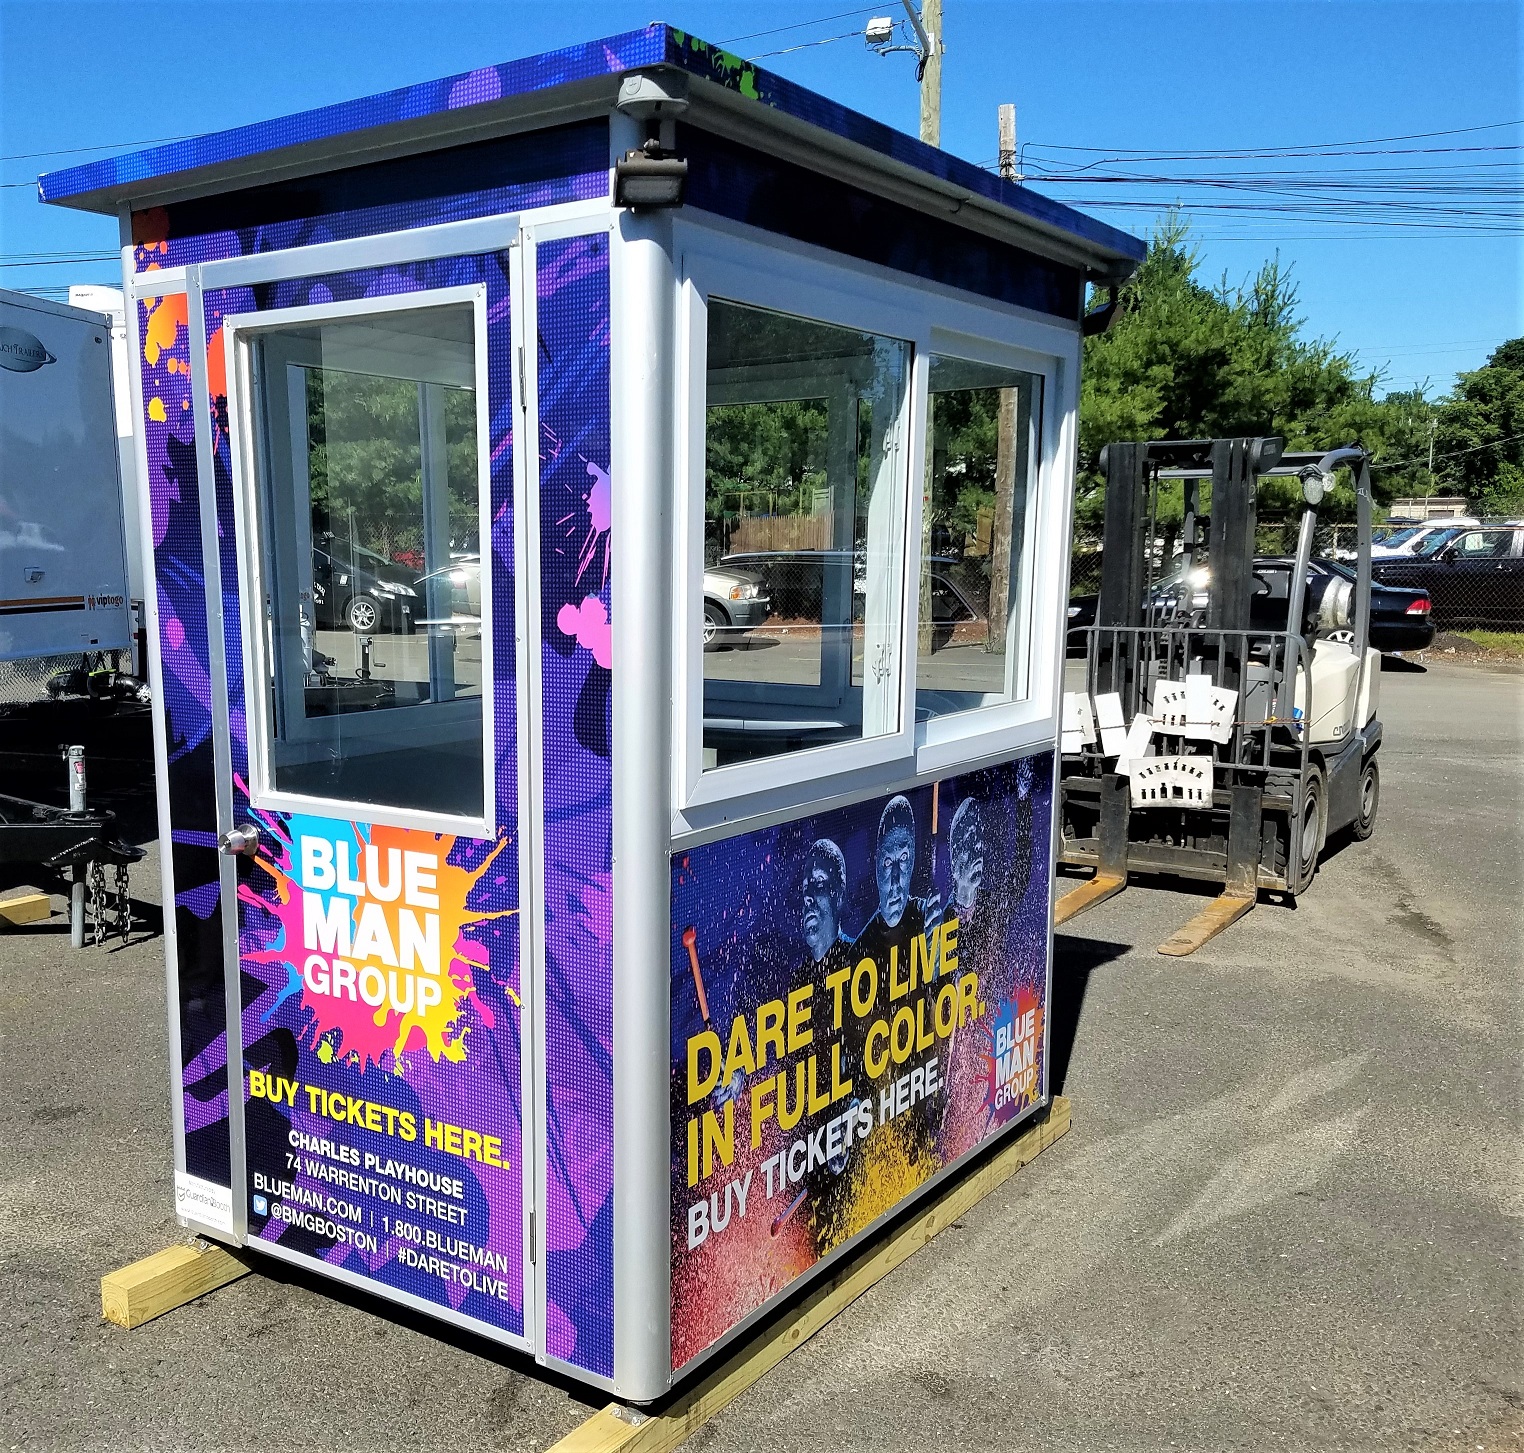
[(22, 352)]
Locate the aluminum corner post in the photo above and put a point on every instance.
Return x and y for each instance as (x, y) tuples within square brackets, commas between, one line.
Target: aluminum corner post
[(643, 385)]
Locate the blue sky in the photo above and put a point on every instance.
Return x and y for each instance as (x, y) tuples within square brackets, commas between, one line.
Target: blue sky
[(1151, 77)]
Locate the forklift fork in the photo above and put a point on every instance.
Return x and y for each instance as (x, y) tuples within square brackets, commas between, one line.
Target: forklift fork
[(1111, 858), (1240, 890)]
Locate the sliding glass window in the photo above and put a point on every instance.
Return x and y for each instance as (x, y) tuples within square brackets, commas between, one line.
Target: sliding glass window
[(982, 427), (804, 508)]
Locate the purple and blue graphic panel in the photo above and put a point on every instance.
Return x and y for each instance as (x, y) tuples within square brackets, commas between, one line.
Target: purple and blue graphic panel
[(186, 701), (382, 1063), (575, 505)]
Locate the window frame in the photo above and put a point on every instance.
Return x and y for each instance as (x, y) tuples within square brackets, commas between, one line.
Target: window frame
[(240, 331), (736, 270), (1018, 664), (729, 261)]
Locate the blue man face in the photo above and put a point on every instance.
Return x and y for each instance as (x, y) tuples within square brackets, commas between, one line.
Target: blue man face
[(892, 866), (820, 918)]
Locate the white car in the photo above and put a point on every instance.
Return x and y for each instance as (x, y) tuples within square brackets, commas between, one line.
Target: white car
[(1406, 541)]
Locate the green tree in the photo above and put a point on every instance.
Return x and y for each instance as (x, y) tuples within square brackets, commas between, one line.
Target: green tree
[(1187, 361), (1479, 443)]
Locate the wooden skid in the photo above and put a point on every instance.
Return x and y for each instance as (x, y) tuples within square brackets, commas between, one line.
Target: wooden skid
[(1224, 909), (28, 908), (616, 1429), (164, 1281), (1096, 890)]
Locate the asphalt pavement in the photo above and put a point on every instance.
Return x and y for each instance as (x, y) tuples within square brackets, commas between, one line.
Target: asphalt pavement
[(1288, 1215)]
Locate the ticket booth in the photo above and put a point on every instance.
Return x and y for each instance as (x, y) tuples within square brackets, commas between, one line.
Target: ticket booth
[(609, 517)]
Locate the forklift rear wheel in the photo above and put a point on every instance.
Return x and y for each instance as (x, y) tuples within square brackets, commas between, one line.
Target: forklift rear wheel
[(1370, 799), (1311, 829)]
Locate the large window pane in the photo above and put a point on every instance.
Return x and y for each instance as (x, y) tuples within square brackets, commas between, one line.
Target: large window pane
[(368, 517), (981, 431), (803, 510)]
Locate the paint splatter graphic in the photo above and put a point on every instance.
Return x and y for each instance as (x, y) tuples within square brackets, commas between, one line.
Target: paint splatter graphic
[(386, 938)]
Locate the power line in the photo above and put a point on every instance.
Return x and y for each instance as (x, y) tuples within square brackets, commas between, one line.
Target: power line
[(102, 146), (799, 25), (1452, 454), (807, 44), (1138, 152)]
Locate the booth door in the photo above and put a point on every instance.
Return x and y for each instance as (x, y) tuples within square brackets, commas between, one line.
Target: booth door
[(372, 814)]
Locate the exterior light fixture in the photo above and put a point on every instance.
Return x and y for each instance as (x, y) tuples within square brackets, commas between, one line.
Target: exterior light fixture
[(650, 177)]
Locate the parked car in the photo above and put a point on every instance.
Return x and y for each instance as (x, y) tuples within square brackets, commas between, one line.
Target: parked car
[(735, 602), (1409, 540), (794, 583), (356, 588), (1474, 576), (461, 607), (1400, 616)]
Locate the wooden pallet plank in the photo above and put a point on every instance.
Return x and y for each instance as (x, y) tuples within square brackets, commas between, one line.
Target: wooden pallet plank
[(28, 908), (619, 1430), (164, 1281), (1095, 890)]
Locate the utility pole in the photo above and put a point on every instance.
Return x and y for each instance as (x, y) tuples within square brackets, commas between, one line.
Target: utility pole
[(1005, 451), (930, 30), (927, 24), (1007, 115)]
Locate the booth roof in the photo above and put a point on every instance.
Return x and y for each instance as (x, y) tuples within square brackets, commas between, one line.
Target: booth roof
[(556, 86)]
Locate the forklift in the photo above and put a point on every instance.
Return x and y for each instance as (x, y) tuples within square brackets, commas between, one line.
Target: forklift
[(1236, 700)]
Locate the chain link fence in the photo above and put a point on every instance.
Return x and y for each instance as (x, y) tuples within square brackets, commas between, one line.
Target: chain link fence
[(25, 682)]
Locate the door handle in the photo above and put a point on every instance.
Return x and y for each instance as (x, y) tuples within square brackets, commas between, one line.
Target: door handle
[(241, 841)]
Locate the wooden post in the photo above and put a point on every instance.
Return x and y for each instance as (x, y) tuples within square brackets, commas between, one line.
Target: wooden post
[(166, 1280), (618, 1429), (931, 134), (931, 75), (1007, 116), (1005, 452)]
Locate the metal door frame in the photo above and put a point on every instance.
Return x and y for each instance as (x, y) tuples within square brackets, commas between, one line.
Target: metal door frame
[(501, 234)]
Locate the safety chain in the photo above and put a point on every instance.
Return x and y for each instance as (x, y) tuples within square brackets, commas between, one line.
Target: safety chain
[(97, 903), (123, 904), (117, 906)]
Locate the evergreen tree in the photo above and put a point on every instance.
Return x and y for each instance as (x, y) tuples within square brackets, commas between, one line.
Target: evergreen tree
[(1479, 443)]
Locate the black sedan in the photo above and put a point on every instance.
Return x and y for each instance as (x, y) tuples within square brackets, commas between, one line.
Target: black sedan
[(1473, 576), (356, 588), (1399, 616)]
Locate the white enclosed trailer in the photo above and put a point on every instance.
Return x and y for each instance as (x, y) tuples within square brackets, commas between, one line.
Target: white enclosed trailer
[(63, 559)]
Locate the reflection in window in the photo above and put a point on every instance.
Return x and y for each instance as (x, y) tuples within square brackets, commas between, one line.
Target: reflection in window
[(981, 431), (368, 516), (803, 510)]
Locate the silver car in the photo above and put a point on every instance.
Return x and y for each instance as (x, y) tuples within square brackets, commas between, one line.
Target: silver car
[(734, 603)]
